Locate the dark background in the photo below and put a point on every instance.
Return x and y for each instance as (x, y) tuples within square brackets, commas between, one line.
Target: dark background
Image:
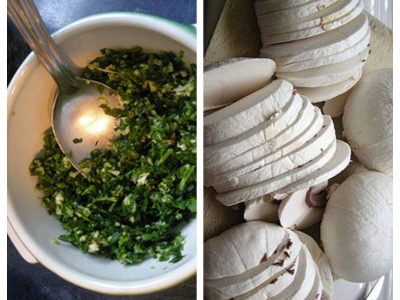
[(26, 281)]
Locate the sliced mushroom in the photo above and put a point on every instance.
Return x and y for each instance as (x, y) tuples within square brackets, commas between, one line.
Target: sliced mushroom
[(230, 80)]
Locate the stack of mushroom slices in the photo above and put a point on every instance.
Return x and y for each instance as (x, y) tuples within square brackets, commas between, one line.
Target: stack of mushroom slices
[(320, 46), (273, 141), (257, 260)]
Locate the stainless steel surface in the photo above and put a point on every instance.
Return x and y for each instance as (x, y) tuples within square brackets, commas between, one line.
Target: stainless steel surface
[(79, 116), (381, 9), (76, 110), (373, 292)]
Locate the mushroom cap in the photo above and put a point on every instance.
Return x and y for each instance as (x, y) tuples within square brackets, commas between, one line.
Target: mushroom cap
[(368, 120), (356, 229)]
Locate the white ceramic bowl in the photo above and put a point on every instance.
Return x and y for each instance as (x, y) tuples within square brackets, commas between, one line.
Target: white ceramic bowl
[(29, 106)]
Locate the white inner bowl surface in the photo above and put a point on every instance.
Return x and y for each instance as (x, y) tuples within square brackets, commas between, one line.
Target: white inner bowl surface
[(30, 97)]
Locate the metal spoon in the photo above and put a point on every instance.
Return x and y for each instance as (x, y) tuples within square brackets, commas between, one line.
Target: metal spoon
[(79, 123)]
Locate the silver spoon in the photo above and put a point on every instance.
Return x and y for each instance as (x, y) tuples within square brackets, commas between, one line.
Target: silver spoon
[(79, 123)]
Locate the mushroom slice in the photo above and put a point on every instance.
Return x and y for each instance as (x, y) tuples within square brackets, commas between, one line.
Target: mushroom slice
[(303, 281), (265, 169), (307, 12), (232, 79), (335, 150), (241, 248), (302, 208), (266, 160), (336, 11), (352, 51), (325, 93), (292, 14), (317, 288), (287, 33), (265, 274), (263, 208), (327, 75), (264, 269), (335, 106), (307, 124), (274, 285), (235, 119), (279, 122), (262, 6), (353, 167), (321, 260), (331, 42), (337, 164)]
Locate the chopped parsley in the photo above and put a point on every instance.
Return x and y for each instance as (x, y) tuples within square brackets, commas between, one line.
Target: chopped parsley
[(135, 195)]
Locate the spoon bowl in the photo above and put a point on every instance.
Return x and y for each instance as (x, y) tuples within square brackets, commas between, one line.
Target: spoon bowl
[(79, 123)]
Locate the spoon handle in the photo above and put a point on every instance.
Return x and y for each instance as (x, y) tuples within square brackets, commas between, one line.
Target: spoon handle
[(26, 18)]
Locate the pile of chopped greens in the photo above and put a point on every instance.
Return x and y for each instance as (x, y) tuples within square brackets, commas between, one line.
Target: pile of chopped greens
[(136, 194)]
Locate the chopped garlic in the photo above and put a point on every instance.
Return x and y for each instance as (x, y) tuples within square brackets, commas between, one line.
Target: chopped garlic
[(93, 247), (59, 198), (142, 179), (127, 200), (182, 147)]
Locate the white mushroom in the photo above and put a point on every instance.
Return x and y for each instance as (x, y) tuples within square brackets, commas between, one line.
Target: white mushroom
[(263, 208), (285, 33), (307, 124), (267, 168), (292, 14), (324, 93), (247, 113), (356, 229), (303, 208), (329, 43), (301, 285), (257, 260), (368, 120), (326, 75), (246, 256), (232, 79), (263, 6), (341, 155), (322, 262), (258, 135), (323, 10), (335, 106), (336, 165), (320, 46), (341, 56)]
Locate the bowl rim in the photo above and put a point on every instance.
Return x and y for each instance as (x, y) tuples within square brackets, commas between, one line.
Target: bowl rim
[(164, 26)]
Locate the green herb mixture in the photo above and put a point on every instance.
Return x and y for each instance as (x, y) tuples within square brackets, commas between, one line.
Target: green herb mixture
[(136, 194)]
